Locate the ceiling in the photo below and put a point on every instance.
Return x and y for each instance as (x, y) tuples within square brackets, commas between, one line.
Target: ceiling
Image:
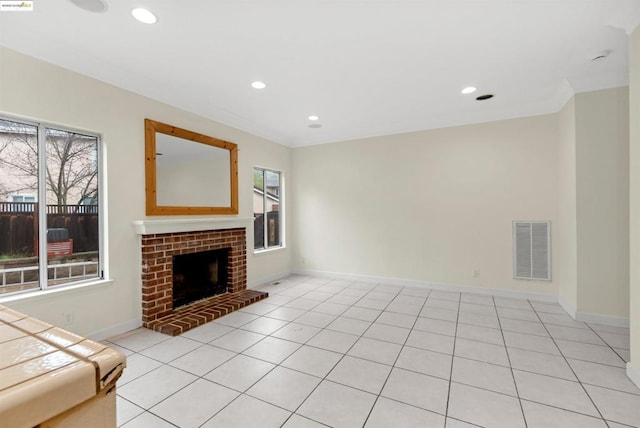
[(365, 67)]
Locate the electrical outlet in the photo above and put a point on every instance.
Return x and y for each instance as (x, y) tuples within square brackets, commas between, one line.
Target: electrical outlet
[(67, 318), (476, 273)]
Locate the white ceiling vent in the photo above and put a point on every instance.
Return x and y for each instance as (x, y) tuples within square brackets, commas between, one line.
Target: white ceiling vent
[(531, 250)]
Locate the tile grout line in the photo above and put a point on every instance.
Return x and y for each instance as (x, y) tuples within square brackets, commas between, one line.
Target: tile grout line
[(571, 368), (606, 343), (397, 357), (515, 384), (337, 362), (241, 393), (202, 376), (453, 353), (321, 379), (344, 354), (279, 364), (133, 404), (198, 377)]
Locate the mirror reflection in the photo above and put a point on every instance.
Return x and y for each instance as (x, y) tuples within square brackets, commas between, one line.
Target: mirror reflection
[(191, 174)]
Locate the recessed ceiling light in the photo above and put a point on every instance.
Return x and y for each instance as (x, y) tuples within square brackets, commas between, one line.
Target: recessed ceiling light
[(315, 125), (258, 85), (484, 97), (313, 117), (91, 5), (599, 56), (468, 90), (144, 16)]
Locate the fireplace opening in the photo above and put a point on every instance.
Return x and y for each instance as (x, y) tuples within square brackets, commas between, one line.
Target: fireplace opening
[(199, 275)]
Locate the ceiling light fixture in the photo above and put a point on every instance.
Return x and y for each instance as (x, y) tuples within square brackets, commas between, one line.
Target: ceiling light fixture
[(91, 5), (468, 90), (258, 85), (484, 97), (144, 16), (599, 56), (313, 117)]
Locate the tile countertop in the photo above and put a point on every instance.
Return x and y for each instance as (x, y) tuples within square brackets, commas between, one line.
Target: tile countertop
[(45, 370)]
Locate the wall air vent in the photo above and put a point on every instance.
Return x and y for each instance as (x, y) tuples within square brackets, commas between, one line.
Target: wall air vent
[(531, 250)]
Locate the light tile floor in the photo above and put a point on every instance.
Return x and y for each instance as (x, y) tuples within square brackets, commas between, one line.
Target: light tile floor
[(321, 352)]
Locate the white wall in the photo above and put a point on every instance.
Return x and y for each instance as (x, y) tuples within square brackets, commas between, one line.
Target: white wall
[(434, 206), (633, 369), (565, 232), (602, 191), (41, 91), (427, 206)]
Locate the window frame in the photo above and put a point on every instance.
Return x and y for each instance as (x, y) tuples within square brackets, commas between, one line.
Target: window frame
[(23, 196), (281, 204), (103, 275)]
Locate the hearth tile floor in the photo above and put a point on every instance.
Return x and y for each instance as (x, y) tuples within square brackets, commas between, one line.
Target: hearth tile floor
[(321, 352)]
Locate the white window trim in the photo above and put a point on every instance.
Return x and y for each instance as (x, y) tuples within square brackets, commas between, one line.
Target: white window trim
[(283, 221), (268, 250), (71, 288)]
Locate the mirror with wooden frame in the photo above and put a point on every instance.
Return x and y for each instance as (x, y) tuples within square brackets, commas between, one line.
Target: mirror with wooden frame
[(187, 173)]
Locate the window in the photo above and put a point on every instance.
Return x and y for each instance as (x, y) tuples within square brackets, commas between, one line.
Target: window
[(23, 198), (267, 204), (27, 202), (50, 213)]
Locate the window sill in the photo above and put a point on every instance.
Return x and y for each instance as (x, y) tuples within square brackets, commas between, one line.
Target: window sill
[(35, 295), (269, 250)]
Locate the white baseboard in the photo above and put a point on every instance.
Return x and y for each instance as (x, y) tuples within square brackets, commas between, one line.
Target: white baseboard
[(543, 297), (115, 330), (268, 279), (611, 320), (568, 307), (633, 374)]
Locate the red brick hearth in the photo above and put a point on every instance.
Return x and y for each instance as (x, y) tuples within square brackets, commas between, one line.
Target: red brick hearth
[(157, 279)]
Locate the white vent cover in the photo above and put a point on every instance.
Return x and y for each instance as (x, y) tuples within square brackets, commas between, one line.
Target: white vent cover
[(531, 251)]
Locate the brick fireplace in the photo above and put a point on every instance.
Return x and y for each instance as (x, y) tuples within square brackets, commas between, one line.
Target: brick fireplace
[(158, 250)]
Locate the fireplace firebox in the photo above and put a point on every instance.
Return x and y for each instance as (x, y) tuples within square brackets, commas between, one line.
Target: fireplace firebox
[(199, 275)]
